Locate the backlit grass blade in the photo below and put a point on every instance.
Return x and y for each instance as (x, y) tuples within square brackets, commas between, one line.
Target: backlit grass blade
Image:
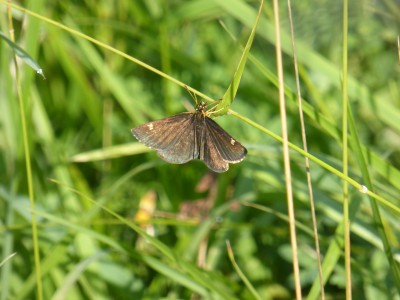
[(21, 53), (223, 106)]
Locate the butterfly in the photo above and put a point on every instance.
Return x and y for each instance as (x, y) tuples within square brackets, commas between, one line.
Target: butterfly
[(191, 135)]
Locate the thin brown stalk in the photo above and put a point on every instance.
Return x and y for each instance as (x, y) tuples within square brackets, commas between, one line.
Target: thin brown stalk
[(286, 157), (307, 162)]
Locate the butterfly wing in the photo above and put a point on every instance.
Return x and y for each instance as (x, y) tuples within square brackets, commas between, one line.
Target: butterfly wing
[(230, 149), (210, 154), (172, 137)]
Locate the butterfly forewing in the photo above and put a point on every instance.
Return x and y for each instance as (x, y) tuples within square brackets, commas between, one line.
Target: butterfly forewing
[(185, 146), (173, 138), (229, 148)]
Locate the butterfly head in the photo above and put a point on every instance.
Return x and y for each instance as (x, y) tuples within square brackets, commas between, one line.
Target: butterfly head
[(201, 108)]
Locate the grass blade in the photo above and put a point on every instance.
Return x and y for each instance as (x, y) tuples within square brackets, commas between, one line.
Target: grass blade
[(21, 53), (223, 106)]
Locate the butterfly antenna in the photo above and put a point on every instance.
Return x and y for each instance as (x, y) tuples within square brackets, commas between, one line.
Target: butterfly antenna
[(193, 95)]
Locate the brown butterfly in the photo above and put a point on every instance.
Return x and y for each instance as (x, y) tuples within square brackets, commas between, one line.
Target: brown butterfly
[(191, 135)]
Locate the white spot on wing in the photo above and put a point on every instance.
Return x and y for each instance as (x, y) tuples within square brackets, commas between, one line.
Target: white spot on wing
[(233, 142), (151, 127)]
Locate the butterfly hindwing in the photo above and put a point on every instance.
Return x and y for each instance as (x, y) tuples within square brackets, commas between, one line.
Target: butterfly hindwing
[(230, 149), (210, 155)]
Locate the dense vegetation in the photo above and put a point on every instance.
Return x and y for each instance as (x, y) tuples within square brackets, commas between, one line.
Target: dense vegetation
[(114, 221)]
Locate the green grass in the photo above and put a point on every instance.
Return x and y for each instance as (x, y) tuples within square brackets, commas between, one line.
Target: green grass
[(109, 68)]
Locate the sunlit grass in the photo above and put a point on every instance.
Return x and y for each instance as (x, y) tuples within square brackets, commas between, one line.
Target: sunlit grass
[(79, 121)]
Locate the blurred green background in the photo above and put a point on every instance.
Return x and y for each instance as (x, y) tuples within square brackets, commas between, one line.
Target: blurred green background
[(79, 122)]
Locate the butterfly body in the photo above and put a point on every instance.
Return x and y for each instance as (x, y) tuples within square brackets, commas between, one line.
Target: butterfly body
[(187, 136)]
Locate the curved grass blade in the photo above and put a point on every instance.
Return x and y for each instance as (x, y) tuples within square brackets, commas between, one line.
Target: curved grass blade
[(242, 276), (7, 258), (109, 153), (72, 277), (21, 53), (223, 105)]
